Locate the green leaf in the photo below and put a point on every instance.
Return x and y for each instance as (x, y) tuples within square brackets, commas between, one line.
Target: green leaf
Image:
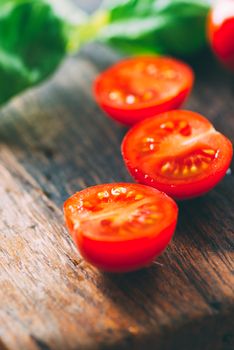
[(35, 35), (174, 27)]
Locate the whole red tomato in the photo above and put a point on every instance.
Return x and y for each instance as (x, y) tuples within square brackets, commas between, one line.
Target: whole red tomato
[(220, 30)]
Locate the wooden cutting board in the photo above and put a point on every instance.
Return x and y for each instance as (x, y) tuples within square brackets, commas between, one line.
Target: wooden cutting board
[(55, 141)]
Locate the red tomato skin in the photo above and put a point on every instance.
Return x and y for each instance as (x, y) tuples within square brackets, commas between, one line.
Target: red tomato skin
[(184, 190), (130, 117), (221, 35), (124, 256)]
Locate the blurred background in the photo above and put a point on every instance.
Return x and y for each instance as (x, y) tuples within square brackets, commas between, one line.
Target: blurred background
[(89, 5)]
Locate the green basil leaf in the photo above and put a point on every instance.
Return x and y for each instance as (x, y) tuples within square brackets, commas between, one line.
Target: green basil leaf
[(174, 27), (35, 35)]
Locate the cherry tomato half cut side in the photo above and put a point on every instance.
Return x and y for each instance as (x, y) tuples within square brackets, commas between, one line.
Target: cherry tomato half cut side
[(178, 152), (141, 87), (120, 227), (220, 29)]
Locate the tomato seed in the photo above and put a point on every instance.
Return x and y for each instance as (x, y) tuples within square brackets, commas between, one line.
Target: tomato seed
[(139, 196), (151, 69), (130, 194), (155, 216), (116, 95), (204, 165), (167, 126), (184, 128), (210, 152), (130, 99), (169, 74), (118, 190), (165, 167), (193, 168), (149, 221), (176, 171), (87, 205), (185, 170), (148, 139), (153, 207), (148, 95), (102, 195)]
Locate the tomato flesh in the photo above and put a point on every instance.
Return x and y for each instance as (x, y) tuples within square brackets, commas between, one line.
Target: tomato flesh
[(178, 152), (140, 87), (220, 28), (120, 227)]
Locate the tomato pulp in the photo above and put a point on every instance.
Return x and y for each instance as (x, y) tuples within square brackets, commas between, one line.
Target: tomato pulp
[(120, 227), (220, 28), (178, 152), (140, 87)]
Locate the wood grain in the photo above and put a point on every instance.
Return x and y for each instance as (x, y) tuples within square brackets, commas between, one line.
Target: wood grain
[(54, 141)]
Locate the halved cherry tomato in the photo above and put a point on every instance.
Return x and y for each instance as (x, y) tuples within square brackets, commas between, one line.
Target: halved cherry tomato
[(141, 87), (120, 227), (220, 27), (178, 152)]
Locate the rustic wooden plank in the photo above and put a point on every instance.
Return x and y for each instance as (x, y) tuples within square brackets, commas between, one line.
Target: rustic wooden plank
[(55, 141)]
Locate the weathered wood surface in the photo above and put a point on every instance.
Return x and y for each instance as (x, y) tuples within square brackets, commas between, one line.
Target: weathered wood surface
[(54, 141)]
